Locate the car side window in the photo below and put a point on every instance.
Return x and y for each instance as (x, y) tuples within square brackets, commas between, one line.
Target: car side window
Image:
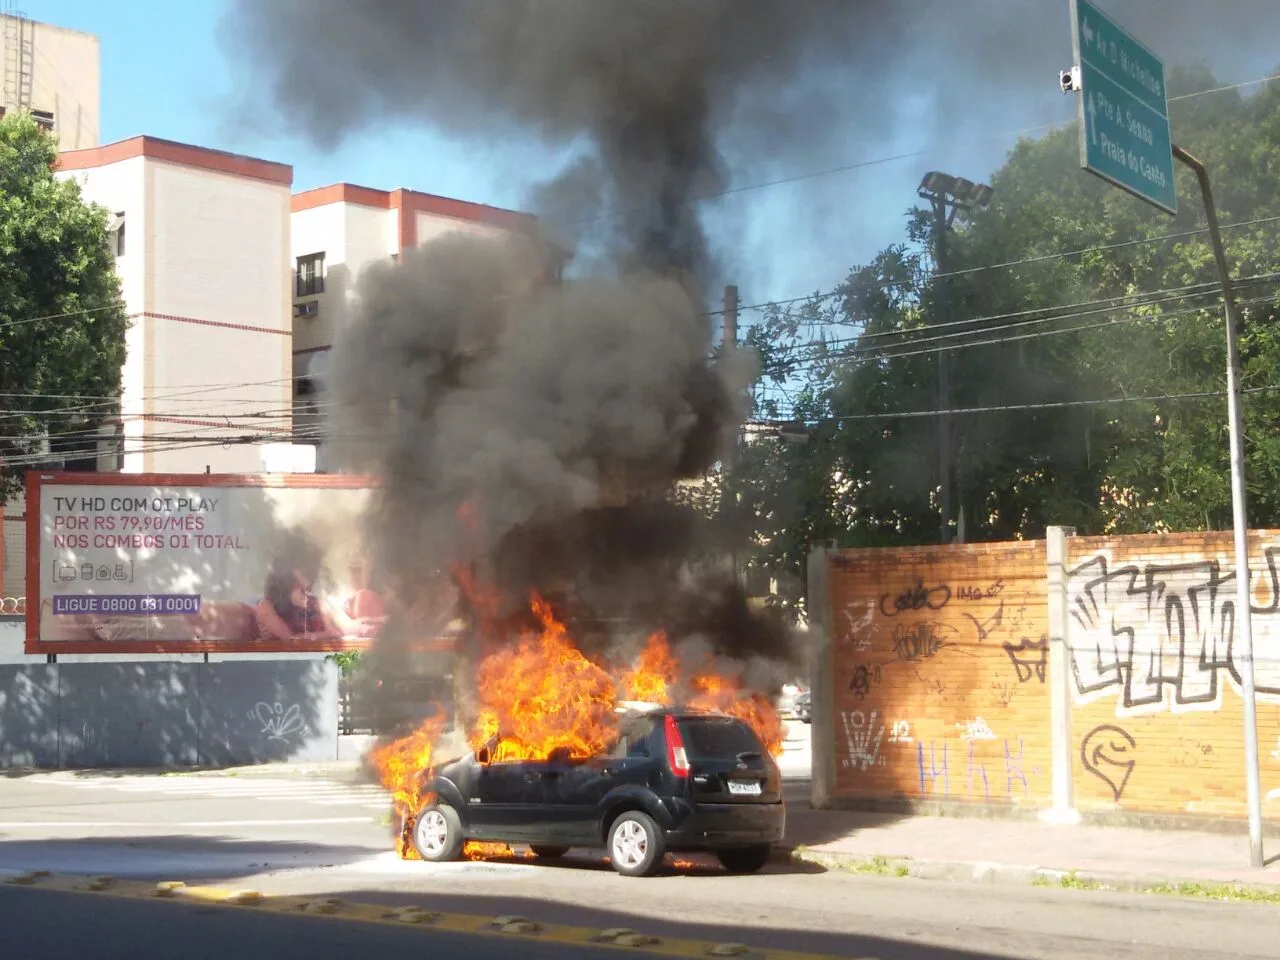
[(635, 739)]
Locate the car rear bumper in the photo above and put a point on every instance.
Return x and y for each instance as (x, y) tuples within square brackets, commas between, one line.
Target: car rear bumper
[(727, 825)]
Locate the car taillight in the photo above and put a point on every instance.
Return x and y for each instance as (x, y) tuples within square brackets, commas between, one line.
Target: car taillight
[(675, 748)]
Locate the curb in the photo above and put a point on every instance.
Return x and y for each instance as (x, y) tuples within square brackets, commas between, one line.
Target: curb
[(1007, 874)]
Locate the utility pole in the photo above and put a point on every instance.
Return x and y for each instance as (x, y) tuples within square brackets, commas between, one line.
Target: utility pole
[(946, 194), (730, 492), (942, 224)]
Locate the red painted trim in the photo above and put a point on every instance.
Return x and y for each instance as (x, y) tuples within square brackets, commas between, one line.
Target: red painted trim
[(210, 323), (408, 204), (37, 480), (340, 193), (182, 154)]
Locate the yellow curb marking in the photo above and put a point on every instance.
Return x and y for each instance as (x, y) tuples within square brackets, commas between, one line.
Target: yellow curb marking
[(621, 939)]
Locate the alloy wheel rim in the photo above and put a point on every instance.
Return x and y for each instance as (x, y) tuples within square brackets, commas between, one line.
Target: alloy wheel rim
[(433, 832), (630, 844)]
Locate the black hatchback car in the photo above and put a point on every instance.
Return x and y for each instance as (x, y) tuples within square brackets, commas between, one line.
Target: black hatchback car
[(675, 781)]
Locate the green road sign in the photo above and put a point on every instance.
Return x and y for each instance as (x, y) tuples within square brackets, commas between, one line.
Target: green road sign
[(1124, 110)]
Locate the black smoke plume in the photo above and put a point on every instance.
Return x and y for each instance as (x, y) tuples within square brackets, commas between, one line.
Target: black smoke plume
[(504, 414)]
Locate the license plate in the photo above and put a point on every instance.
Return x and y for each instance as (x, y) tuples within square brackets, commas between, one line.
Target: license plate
[(744, 788)]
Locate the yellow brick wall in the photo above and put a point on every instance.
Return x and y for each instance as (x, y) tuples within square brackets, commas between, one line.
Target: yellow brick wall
[(941, 662), (1157, 720)]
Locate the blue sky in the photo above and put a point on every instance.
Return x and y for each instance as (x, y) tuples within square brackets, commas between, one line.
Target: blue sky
[(167, 73)]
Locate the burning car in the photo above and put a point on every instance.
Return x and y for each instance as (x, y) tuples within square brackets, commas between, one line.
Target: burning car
[(674, 780)]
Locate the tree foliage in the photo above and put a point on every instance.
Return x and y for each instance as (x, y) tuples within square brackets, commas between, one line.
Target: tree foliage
[(1065, 289), (62, 321)]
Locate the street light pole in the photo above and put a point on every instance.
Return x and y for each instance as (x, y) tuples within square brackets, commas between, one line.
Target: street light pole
[(1243, 622)]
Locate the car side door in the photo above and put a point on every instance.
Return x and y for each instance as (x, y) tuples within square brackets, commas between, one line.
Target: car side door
[(506, 800), (575, 789)]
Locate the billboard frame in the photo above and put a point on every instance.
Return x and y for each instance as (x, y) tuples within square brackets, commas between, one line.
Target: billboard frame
[(38, 480)]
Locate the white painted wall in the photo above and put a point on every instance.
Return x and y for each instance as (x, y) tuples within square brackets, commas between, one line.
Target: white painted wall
[(431, 226), (218, 249), (121, 188)]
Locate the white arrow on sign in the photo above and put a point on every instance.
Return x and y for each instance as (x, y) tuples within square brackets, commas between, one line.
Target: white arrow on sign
[(1093, 119), (1087, 31)]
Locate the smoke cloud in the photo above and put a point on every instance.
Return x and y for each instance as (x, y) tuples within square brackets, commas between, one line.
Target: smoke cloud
[(503, 413)]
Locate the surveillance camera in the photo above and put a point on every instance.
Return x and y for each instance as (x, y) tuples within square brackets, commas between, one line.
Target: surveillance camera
[(1069, 80)]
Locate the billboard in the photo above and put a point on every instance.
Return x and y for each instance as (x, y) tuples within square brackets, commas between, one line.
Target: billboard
[(138, 563)]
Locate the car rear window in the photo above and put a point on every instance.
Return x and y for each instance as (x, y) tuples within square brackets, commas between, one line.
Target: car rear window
[(717, 738)]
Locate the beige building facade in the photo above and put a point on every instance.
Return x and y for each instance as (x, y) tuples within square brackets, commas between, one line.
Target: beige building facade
[(54, 74)]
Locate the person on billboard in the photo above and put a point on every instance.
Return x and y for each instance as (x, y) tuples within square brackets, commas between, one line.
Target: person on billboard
[(289, 610), (364, 609)]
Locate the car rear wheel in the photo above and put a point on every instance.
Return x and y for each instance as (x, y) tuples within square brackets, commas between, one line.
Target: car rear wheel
[(745, 859), (544, 852), (636, 845), (437, 833)]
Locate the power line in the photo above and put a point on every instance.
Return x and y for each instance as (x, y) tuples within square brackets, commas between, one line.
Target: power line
[(880, 353), (1017, 407)]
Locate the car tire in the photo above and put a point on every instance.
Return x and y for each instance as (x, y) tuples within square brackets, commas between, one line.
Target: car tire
[(437, 833), (544, 852), (636, 845), (745, 859)]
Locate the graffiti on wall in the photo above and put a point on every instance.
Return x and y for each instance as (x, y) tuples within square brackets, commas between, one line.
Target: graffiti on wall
[(1161, 635), (929, 665)]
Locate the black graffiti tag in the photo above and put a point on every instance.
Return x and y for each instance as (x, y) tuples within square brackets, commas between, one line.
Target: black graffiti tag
[(864, 677), (918, 597), (919, 641), (1030, 658), (987, 627), (980, 593), (1105, 752)]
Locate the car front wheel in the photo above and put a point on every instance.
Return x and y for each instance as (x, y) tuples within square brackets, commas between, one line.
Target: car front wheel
[(636, 845), (744, 859), (437, 833)]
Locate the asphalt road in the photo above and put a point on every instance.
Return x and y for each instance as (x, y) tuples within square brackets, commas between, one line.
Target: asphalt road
[(307, 836)]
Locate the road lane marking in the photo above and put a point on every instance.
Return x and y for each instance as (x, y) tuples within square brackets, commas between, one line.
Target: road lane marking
[(617, 939), (80, 825), (327, 793)]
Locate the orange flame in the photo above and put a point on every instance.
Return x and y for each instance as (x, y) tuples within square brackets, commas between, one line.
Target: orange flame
[(401, 765), (719, 694), (654, 675), (543, 695)]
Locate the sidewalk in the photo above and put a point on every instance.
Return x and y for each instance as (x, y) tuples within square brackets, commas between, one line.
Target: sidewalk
[(1025, 851)]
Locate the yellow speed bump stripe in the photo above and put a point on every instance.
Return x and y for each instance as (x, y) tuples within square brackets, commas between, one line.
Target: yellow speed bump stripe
[(622, 939)]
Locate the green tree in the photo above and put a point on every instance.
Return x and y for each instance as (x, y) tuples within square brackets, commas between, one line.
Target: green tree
[(1066, 289), (62, 321)]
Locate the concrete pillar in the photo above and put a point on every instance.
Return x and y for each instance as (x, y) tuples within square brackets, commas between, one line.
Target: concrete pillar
[(1063, 809), (822, 730)]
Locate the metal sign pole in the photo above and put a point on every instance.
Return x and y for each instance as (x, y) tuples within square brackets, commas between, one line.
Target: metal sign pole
[(1243, 642)]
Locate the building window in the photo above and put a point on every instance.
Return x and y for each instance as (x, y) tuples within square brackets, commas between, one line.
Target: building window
[(306, 387), (115, 233), (310, 275), (44, 118)]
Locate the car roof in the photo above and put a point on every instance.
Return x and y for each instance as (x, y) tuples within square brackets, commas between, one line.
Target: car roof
[(636, 709)]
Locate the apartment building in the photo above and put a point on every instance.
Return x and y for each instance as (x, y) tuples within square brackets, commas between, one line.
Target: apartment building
[(53, 73), (338, 231)]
